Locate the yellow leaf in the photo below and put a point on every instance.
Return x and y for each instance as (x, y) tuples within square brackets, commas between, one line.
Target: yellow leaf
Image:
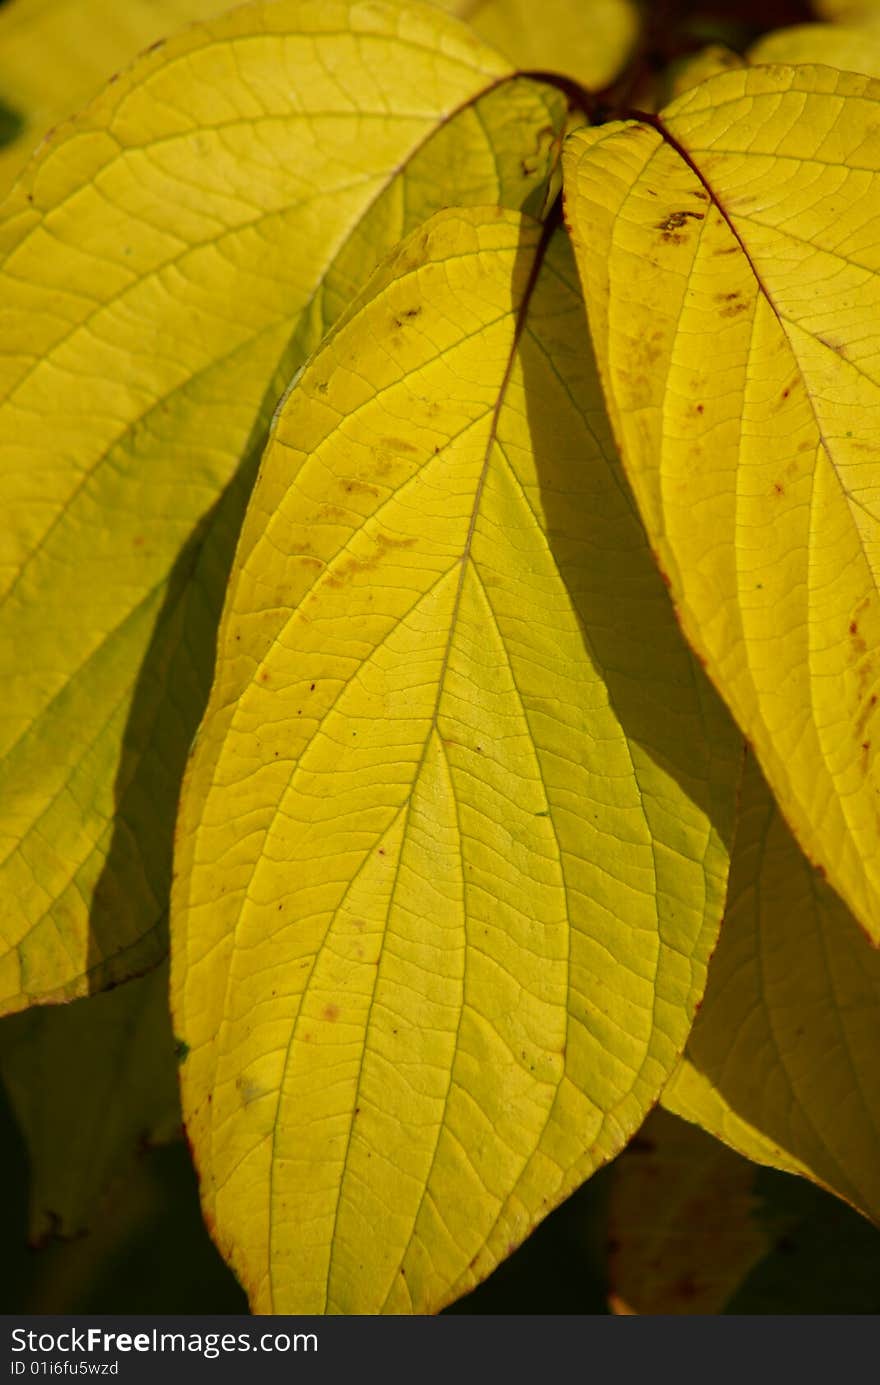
[(683, 1232), (589, 40), (56, 54), (730, 259), (847, 11), (451, 840), (782, 1059), (89, 1083), (699, 67), (167, 263), (853, 47)]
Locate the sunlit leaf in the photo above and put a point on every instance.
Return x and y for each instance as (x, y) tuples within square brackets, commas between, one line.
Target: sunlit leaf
[(731, 259), (782, 1060), (167, 263), (589, 41), (683, 1229), (451, 842), (90, 1083), (56, 54)]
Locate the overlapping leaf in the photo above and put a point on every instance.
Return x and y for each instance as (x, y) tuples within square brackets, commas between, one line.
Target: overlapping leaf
[(683, 1229), (590, 42), (451, 841), (731, 259), (698, 67), (56, 54), (89, 1083), (847, 11), (166, 265), (852, 47), (782, 1060), (695, 1228)]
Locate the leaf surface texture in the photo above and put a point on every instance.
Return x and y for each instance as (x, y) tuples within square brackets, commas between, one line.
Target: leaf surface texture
[(730, 260), (166, 264), (782, 1059), (452, 839), (56, 54)]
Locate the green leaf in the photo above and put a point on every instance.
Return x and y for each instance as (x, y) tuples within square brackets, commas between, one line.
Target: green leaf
[(683, 1229), (589, 42), (90, 1083), (730, 261), (56, 54), (167, 262), (782, 1059), (452, 841)]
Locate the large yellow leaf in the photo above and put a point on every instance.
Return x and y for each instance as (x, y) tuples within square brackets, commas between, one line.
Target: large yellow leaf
[(166, 265), (56, 54), (683, 1229), (782, 1062), (451, 841), (589, 40), (734, 299), (89, 1083)]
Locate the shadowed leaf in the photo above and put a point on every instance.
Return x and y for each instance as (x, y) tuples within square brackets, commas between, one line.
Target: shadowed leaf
[(782, 1059), (90, 1083)]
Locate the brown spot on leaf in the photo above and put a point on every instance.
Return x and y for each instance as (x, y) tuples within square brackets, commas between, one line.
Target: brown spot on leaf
[(352, 486), (398, 445), (331, 1013), (674, 222), (352, 567), (734, 303)]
